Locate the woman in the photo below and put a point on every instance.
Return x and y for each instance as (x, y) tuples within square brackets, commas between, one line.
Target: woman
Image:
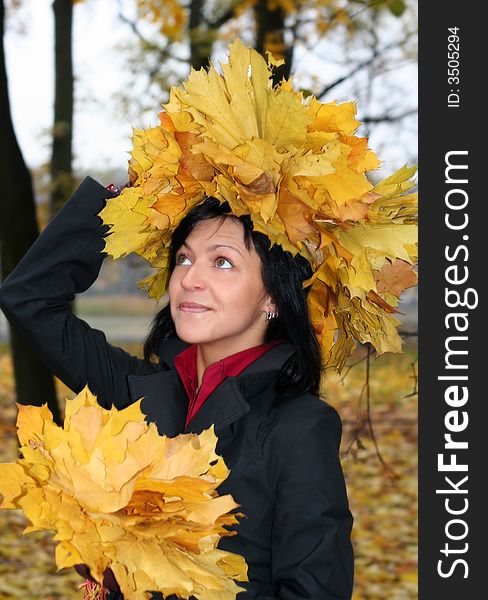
[(233, 349)]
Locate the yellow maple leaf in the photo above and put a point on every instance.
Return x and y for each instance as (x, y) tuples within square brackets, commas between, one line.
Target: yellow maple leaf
[(119, 495)]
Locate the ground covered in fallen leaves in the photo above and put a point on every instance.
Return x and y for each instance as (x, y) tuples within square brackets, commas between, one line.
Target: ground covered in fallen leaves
[(380, 466)]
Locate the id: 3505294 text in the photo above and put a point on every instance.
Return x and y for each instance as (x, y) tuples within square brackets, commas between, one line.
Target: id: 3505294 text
[(453, 67)]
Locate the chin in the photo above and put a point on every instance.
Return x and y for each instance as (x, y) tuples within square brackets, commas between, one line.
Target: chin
[(190, 335)]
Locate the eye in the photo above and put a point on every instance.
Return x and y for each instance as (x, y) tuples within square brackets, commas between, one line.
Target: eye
[(181, 258), (223, 263)]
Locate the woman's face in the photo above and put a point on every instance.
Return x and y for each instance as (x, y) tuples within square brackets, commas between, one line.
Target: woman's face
[(216, 293)]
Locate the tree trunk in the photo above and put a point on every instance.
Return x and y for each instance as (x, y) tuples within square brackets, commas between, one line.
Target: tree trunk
[(201, 40), (270, 36), (61, 158), (18, 231)]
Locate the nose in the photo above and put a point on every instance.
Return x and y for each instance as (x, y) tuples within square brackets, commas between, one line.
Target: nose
[(193, 277)]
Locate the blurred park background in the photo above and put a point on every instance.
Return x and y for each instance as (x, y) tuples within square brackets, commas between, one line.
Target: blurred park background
[(75, 77)]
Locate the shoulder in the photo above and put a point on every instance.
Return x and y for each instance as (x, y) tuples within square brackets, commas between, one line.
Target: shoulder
[(302, 440), (305, 412), (302, 425)]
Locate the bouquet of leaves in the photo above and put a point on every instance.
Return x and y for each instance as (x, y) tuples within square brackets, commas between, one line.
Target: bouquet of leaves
[(119, 496)]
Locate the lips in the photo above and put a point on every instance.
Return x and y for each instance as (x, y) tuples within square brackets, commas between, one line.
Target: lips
[(192, 307)]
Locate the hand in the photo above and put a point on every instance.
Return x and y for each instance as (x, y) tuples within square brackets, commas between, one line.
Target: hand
[(108, 582), (116, 190)]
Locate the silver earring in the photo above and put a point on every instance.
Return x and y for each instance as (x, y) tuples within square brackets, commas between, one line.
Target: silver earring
[(270, 315)]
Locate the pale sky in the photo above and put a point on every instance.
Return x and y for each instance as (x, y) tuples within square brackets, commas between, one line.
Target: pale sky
[(98, 138)]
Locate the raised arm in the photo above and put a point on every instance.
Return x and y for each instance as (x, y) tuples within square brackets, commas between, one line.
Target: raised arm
[(36, 298)]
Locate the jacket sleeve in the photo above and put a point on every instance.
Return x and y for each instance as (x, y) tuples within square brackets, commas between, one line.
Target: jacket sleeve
[(36, 297), (312, 554)]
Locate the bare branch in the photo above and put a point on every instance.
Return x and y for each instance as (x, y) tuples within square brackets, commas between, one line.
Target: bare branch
[(225, 17), (131, 24), (405, 333), (389, 118), (365, 420), (415, 378), (359, 67), (222, 20), (163, 53), (387, 468)]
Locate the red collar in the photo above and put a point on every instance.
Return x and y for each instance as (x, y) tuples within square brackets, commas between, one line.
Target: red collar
[(186, 365)]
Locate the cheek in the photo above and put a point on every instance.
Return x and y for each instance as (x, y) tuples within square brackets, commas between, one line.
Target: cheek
[(172, 288), (245, 298)]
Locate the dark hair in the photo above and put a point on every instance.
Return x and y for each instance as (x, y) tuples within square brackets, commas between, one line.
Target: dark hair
[(303, 369)]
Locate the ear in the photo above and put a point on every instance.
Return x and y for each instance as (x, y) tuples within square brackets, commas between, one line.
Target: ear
[(269, 304)]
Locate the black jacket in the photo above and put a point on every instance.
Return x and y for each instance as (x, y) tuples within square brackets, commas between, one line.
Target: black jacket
[(282, 451)]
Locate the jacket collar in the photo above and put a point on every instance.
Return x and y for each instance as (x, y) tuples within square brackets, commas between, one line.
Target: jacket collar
[(166, 404)]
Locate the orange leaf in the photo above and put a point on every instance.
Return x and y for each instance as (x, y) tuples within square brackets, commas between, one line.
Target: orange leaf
[(395, 277)]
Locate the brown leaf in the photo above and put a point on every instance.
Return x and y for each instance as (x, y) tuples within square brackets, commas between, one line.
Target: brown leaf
[(296, 217), (395, 277), (378, 300), (263, 184)]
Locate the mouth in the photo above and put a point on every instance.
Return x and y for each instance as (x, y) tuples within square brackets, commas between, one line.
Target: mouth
[(192, 307)]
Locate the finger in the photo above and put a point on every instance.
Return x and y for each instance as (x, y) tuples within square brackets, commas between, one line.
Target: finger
[(109, 581), (84, 571)]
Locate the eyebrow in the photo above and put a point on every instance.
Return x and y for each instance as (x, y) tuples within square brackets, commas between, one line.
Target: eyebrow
[(215, 246)]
